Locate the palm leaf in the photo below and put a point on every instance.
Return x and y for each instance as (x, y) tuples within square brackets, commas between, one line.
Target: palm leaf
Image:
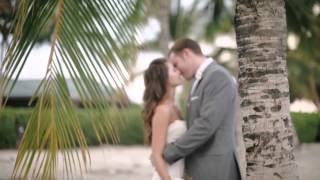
[(92, 43)]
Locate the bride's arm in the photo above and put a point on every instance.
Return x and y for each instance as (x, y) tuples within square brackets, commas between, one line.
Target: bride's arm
[(160, 123)]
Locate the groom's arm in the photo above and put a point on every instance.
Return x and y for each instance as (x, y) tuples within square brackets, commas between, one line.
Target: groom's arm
[(218, 98)]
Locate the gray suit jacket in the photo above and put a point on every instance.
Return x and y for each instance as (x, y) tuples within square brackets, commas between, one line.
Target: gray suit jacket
[(209, 143)]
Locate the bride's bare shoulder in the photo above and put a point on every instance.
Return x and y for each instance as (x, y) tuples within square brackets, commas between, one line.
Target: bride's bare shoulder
[(164, 108), (162, 115)]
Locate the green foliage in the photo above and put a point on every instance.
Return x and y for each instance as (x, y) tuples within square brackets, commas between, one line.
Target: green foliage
[(181, 21), (214, 16), (7, 133), (9, 119), (221, 18), (128, 127), (303, 62), (130, 130), (307, 126)]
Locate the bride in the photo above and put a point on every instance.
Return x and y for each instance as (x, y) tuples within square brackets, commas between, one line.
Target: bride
[(162, 119)]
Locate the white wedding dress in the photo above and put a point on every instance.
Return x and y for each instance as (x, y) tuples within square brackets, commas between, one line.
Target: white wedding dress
[(176, 170)]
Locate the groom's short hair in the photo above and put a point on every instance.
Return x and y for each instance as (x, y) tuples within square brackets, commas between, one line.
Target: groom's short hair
[(183, 43)]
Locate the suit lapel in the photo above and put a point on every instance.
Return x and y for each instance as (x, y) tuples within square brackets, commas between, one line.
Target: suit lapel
[(212, 65)]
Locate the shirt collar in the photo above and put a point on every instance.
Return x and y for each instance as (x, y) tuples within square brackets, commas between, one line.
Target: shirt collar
[(202, 68)]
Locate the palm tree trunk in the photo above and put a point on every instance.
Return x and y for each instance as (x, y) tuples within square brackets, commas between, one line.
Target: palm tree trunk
[(241, 150), (163, 17), (261, 33)]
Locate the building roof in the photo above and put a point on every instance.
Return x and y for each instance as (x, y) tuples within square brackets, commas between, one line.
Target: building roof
[(26, 88)]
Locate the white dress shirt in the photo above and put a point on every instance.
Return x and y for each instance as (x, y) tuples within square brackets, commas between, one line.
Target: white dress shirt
[(199, 73)]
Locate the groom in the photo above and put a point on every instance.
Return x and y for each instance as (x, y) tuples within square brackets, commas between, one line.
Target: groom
[(208, 145)]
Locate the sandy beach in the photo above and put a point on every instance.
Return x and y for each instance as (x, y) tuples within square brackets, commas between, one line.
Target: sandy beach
[(132, 163)]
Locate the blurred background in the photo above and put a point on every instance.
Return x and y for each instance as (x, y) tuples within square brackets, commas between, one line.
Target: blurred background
[(210, 22)]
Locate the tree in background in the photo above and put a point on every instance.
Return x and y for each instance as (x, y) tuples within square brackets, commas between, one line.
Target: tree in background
[(304, 60), (162, 8), (202, 21), (261, 33)]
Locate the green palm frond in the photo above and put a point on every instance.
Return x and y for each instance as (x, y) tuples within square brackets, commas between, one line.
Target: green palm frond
[(93, 43)]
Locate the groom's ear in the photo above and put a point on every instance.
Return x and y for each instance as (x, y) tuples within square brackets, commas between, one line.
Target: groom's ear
[(186, 52)]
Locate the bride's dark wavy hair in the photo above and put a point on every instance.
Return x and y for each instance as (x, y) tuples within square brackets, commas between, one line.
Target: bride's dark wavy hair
[(155, 81)]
